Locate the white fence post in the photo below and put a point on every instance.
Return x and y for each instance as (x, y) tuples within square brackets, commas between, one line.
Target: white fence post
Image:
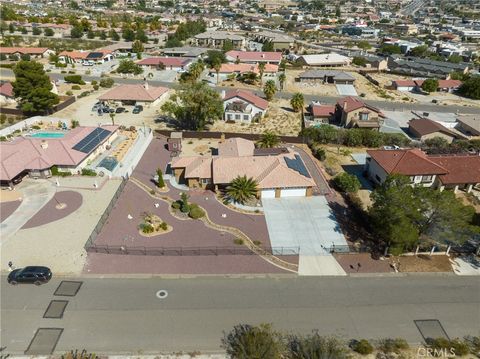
[(416, 250), (433, 250), (448, 250)]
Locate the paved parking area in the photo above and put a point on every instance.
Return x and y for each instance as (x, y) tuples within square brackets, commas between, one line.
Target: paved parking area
[(346, 90)]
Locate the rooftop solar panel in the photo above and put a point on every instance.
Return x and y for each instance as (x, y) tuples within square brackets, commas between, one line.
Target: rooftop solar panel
[(297, 164), (92, 140)]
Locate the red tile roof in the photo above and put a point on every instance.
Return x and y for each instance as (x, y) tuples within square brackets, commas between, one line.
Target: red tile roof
[(408, 162), (354, 104), (248, 97), (322, 110), (6, 89), (255, 56), (23, 50), (166, 61), (425, 126), (461, 169), (452, 84)]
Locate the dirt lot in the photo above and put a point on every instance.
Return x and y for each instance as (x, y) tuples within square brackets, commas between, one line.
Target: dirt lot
[(195, 147), (423, 263)]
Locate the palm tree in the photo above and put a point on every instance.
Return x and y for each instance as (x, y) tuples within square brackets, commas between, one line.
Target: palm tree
[(217, 65), (270, 89), (241, 189), (268, 140), (297, 102), (261, 70), (196, 70), (112, 116), (282, 78)]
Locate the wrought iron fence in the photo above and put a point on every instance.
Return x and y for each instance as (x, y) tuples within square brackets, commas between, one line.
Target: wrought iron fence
[(188, 251)]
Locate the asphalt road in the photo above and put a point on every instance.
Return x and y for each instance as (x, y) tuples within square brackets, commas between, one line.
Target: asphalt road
[(384, 105), (125, 316)]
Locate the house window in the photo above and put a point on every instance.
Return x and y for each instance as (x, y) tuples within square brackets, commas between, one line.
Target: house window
[(427, 178), (364, 116), (245, 117), (229, 117), (377, 177), (205, 180), (237, 117), (412, 179)]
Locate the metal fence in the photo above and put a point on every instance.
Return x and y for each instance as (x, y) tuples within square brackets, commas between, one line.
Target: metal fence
[(103, 218), (188, 251)]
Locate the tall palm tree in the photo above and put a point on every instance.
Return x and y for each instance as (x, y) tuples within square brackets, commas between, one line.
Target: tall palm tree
[(268, 140), (217, 65), (269, 89), (241, 189), (261, 70), (196, 70), (282, 78), (112, 116), (297, 102)]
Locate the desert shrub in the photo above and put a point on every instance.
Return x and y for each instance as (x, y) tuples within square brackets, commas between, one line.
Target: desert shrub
[(69, 93), (318, 151), (94, 82), (396, 345), (460, 347), (71, 71), (11, 120), (196, 212), (176, 205), (346, 182), (363, 347), (152, 191), (88, 172), (84, 94), (36, 127), (3, 138), (3, 118), (74, 79), (163, 226), (74, 123), (95, 87), (56, 172), (106, 82), (147, 228), (238, 241), (257, 243), (76, 87)]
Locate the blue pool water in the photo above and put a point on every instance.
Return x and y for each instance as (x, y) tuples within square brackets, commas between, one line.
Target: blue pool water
[(48, 135), (109, 163)]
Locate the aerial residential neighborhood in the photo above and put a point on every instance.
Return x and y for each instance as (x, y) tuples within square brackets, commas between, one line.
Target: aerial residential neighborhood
[(246, 180)]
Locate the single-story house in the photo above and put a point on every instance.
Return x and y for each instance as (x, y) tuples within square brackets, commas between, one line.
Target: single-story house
[(277, 175), (318, 114), (184, 51), (352, 112), (469, 124), (270, 70), (35, 52), (424, 129), (416, 85), (217, 39), (326, 77), (414, 66), (326, 60), (243, 106), (100, 56), (442, 172), (35, 156), (136, 94), (167, 63), (6, 93), (254, 57)]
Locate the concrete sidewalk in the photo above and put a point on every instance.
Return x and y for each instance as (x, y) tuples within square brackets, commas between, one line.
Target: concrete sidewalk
[(324, 265), (36, 194)]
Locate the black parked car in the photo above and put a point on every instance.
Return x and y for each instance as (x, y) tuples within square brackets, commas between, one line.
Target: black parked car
[(137, 109), (120, 110), (34, 274)]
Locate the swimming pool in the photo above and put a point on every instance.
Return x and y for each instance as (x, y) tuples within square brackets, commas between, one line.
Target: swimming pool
[(48, 135), (109, 163)]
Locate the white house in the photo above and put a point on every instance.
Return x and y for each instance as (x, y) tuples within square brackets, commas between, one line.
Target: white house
[(243, 106)]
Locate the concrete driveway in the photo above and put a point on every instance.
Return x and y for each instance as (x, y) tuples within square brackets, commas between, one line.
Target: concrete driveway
[(308, 224)]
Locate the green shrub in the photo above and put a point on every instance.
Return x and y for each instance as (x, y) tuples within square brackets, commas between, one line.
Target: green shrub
[(69, 93), (84, 94), (74, 79), (176, 205), (196, 212), (76, 87), (71, 71), (36, 127), (11, 120), (363, 347), (95, 87), (3, 118), (346, 182), (318, 152), (63, 72), (74, 123), (16, 132), (152, 191), (147, 228), (164, 226), (94, 82), (257, 243), (3, 138), (238, 241), (106, 82), (460, 347), (396, 345), (88, 172)]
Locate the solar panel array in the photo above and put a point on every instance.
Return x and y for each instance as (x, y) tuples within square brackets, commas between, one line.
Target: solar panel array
[(92, 140), (297, 164)]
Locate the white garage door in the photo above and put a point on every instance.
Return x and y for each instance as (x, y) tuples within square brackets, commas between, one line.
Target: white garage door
[(293, 192), (268, 193)]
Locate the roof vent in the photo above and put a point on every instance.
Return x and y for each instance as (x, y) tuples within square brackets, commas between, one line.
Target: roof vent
[(44, 144)]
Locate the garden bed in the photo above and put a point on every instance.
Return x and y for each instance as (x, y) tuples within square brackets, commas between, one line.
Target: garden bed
[(153, 225)]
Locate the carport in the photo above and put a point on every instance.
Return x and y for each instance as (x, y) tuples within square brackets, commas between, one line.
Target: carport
[(309, 224)]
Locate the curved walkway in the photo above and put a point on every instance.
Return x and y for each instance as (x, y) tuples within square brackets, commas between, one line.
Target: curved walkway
[(315, 171), (7, 208), (232, 230), (35, 196)]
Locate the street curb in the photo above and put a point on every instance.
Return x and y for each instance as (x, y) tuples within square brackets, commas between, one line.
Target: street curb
[(404, 274)]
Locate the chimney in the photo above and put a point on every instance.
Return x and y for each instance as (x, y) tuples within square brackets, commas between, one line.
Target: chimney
[(44, 144), (222, 94), (263, 56), (146, 85), (345, 106)]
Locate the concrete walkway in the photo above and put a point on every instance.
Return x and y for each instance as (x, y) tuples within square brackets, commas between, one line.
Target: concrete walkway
[(325, 265), (36, 194)]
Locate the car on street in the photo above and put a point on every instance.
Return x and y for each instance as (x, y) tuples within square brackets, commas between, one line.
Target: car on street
[(30, 275), (120, 110), (137, 109)]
